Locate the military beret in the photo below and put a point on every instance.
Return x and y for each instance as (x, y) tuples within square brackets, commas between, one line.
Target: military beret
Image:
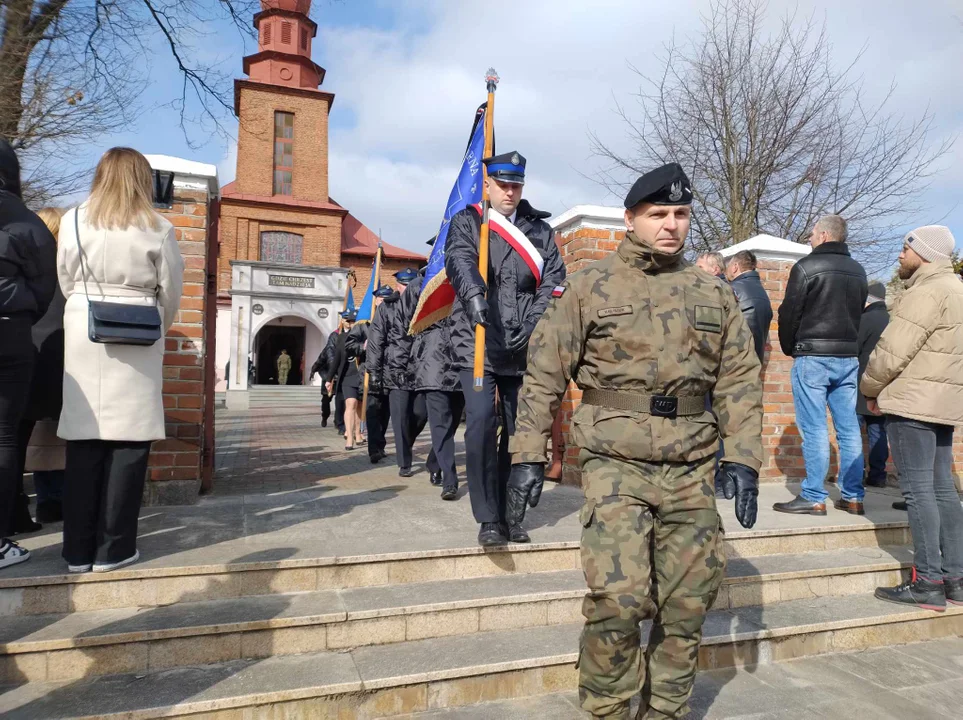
[(349, 315), (383, 292), (666, 185), (406, 276), (509, 167)]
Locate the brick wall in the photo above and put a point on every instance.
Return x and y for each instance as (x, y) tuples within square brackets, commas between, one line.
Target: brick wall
[(175, 463), (782, 443), (241, 225), (257, 104)]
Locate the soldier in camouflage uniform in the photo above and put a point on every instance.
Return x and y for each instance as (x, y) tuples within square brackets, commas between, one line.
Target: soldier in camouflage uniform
[(645, 336)]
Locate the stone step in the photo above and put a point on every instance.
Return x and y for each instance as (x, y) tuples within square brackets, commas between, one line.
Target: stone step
[(59, 647), (39, 589), (419, 675), (917, 680)]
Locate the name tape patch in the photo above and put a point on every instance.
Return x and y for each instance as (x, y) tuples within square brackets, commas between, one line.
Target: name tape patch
[(708, 318), (613, 311)]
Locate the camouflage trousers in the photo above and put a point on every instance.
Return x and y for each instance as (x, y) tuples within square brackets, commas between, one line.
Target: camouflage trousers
[(652, 549)]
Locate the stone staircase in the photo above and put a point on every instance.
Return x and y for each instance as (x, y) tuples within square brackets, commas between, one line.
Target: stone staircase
[(277, 396), (407, 631)]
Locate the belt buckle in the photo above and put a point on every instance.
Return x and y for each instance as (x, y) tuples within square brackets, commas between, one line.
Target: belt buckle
[(665, 406)]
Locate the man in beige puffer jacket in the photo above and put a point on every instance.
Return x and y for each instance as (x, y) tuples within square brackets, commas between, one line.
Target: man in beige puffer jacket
[(915, 378)]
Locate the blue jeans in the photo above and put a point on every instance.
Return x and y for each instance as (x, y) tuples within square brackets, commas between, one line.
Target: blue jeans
[(878, 448), (923, 453), (816, 382)]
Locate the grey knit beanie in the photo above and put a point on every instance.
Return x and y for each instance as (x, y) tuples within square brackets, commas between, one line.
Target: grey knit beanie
[(931, 242)]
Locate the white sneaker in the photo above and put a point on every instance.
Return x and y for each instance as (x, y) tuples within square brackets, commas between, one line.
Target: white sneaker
[(11, 553), (107, 567), (79, 568)]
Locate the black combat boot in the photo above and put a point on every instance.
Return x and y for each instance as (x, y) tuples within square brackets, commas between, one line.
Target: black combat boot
[(916, 591), (517, 534), (449, 492), (953, 587)]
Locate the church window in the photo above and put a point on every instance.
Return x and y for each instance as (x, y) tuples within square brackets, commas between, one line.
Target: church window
[(283, 153), (267, 34), (304, 38), (286, 33), (281, 247)]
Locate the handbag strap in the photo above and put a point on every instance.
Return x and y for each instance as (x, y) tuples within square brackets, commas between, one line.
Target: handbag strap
[(80, 251)]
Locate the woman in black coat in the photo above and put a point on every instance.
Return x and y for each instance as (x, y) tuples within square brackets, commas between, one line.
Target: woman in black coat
[(28, 279)]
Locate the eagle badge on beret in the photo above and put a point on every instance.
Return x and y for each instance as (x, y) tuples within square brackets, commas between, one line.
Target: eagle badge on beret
[(675, 192)]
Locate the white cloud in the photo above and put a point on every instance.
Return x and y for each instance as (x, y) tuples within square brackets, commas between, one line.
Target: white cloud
[(412, 91)]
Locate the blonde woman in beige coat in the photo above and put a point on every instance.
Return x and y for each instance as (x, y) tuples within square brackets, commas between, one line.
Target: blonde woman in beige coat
[(112, 406)]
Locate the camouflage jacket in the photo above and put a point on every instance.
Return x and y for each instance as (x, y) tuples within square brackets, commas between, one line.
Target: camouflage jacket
[(644, 322)]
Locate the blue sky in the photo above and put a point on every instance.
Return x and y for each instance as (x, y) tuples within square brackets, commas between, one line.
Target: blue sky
[(407, 75)]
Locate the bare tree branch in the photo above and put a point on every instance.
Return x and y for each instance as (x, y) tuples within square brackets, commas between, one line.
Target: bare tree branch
[(774, 134)]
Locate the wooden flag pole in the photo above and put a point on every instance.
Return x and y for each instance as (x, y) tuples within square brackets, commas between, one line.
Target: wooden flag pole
[(491, 79), (374, 307)]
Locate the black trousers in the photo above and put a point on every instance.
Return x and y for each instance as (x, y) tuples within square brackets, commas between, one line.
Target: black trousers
[(377, 416), (17, 360), (339, 410), (409, 415), (103, 488), (444, 415), (488, 461)]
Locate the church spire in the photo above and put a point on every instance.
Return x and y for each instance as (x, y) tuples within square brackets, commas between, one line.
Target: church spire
[(285, 33)]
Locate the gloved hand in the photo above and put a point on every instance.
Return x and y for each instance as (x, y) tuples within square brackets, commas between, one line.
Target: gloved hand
[(478, 311), (524, 488), (725, 483), (519, 337), (745, 483)]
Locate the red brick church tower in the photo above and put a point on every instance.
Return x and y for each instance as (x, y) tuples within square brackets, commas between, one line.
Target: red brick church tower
[(278, 209)]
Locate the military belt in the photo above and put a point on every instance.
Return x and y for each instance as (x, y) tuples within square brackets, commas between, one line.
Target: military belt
[(668, 406)]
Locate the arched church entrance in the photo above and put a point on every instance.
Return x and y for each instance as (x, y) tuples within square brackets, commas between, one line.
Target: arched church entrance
[(294, 334)]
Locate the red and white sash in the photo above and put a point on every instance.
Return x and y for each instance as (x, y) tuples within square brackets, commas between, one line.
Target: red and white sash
[(504, 228)]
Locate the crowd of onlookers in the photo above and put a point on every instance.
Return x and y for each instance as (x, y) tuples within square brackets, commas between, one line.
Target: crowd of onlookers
[(899, 373), (86, 295), (80, 387)]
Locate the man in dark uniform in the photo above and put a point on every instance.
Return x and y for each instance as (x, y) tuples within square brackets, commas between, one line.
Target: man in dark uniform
[(524, 268), (646, 337), (389, 349), (435, 379), (378, 413)]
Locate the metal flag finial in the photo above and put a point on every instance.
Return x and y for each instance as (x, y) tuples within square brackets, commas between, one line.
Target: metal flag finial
[(491, 79)]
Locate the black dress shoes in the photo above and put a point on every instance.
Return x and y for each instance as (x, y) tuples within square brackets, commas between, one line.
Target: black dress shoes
[(800, 506), (900, 505), (449, 492), (491, 534), (378, 456), (517, 534), (436, 479)]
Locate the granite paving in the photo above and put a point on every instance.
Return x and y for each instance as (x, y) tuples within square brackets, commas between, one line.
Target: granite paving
[(285, 489)]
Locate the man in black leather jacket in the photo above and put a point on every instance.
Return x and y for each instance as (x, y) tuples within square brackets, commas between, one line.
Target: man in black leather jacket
[(819, 328), (753, 299), (522, 273)]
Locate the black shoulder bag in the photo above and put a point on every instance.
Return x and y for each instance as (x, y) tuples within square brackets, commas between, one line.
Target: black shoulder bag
[(113, 323)]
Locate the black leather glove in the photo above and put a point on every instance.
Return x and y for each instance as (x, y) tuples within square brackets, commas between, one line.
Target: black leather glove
[(745, 482), (524, 488), (519, 337), (725, 483), (478, 311)]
